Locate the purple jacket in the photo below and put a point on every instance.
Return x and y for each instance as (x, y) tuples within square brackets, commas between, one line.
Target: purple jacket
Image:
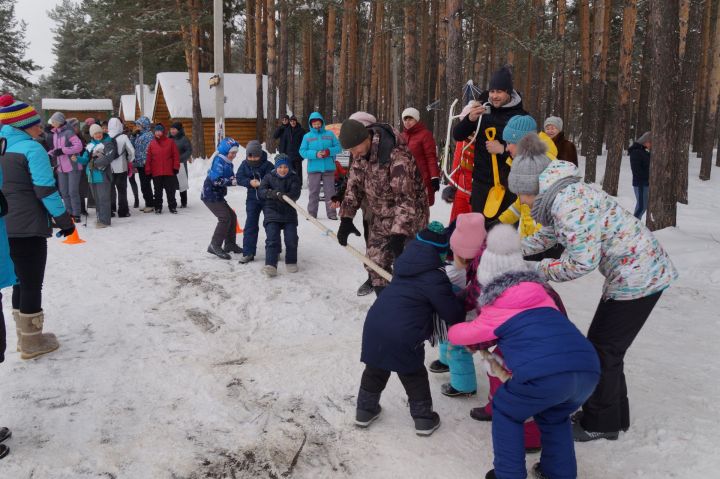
[(65, 138)]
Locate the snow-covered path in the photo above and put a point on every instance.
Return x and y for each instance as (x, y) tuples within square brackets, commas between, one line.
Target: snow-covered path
[(175, 364)]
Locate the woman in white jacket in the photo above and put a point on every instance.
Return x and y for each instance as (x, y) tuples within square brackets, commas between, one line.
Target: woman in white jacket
[(126, 154)]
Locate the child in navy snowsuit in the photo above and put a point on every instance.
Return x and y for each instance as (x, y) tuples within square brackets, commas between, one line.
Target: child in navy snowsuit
[(219, 177), (279, 215), (554, 367), (250, 174), (399, 323)]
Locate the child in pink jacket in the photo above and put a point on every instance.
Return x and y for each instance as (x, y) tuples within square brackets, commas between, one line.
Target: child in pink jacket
[(553, 367)]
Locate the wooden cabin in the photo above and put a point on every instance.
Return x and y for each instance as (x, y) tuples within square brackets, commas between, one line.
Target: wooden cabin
[(100, 108), (173, 102), (127, 108), (130, 104)]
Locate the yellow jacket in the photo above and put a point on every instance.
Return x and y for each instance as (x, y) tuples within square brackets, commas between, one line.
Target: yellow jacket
[(521, 212)]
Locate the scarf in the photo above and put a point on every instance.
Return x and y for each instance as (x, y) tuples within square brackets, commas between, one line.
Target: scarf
[(544, 201)]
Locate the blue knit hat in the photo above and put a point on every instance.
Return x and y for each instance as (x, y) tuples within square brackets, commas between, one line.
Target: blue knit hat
[(282, 159), (159, 127), (435, 235), (517, 127)]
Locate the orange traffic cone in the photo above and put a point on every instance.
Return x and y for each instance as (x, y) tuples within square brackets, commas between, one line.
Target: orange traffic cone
[(238, 230), (74, 238)]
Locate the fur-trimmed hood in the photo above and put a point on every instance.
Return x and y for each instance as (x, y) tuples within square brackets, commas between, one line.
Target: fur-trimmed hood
[(502, 283)]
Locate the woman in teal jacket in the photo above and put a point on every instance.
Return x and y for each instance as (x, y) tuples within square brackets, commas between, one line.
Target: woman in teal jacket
[(319, 146)]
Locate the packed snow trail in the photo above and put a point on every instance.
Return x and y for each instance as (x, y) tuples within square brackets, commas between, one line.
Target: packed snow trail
[(175, 364)]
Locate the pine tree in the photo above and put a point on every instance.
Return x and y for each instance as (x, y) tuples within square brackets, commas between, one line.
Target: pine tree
[(14, 68)]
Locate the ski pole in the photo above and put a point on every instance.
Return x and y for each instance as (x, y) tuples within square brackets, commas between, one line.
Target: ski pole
[(328, 232)]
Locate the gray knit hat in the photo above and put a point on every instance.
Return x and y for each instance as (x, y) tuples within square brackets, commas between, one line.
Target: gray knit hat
[(645, 138), (253, 148), (58, 117), (555, 121), (352, 133), (530, 160)]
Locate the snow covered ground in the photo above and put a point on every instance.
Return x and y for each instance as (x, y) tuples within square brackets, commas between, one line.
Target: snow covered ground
[(175, 364)]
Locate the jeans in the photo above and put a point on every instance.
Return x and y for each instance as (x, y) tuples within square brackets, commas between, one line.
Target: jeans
[(29, 256), (641, 195), (272, 242), (253, 208), (69, 186)]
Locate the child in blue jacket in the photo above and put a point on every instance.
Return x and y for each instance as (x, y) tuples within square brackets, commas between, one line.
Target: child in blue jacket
[(219, 177), (250, 174)]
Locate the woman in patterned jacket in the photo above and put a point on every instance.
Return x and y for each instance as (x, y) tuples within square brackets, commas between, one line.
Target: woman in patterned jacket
[(596, 232)]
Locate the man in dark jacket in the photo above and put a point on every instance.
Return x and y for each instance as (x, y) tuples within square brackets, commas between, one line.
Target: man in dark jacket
[(280, 131), (290, 142), (177, 133), (163, 164), (640, 165), (505, 102), (279, 215)]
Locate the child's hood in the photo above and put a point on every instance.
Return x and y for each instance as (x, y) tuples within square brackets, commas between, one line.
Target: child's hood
[(417, 258), (515, 290)]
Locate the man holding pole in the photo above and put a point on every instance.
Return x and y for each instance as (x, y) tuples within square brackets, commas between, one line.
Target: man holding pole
[(384, 173)]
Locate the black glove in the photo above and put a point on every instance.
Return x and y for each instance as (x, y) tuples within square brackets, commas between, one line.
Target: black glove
[(397, 244), (57, 151), (346, 227), (68, 231), (435, 184), (277, 195), (448, 194)]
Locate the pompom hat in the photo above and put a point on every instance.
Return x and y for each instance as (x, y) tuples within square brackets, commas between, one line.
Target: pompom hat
[(436, 236), (469, 235), (502, 254), (17, 114)]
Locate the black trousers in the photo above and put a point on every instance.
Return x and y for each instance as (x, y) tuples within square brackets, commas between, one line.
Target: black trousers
[(169, 184), (119, 194), (183, 198), (297, 167), (417, 385), (612, 331), (226, 225), (146, 186), (29, 256), (134, 187)]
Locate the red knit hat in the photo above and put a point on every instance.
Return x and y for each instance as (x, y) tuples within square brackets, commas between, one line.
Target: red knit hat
[(469, 235), (17, 114)]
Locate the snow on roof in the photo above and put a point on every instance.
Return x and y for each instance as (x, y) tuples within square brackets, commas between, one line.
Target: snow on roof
[(148, 100), (77, 104), (240, 100), (127, 107)]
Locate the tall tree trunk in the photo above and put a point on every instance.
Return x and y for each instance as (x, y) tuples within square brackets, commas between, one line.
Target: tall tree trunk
[(662, 206), (283, 66), (259, 122), (308, 68), (644, 103), (602, 112), (352, 58), (411, 80), (711, 110), (689, 59), (292, 76), (374, 94), (441, 93), (584, 12), (454, 55), (559, 106), (701, 97), (343, 73), (249, 35), (272, 75), (617, 142), (596, 90), (330, 63), (192, 57)]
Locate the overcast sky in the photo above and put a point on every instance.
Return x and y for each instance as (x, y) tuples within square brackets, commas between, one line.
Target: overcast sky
[(38, 34)]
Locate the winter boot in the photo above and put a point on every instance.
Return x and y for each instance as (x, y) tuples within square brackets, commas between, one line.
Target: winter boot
[(450, 391), (232, 248), (537, 472), (4, 434), (4, 450), (292, 268), (491, 474), (368, 408), (438, 367), (16, 317), (581, 435), (217, 251), (33, 342), (247, 259), (148, 209), (426, 420), (173, 211), (269, 270), (365, 288), (480, 414)]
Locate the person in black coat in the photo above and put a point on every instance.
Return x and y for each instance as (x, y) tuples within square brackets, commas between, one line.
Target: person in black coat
[(505, 103), (177, 133), (640, 165), (290, 142), (399, 323), (279, 216)]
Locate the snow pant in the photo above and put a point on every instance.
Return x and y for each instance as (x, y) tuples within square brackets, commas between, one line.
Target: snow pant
[(298, 169), (119, 194), (169, 184), (134, 187), (328, 180), (479, 195), (612, 331), (462, 367), (416, 384), (69, 186), (272, 242), (146, 187), (530, 428), (29, 256), (103, 200), (550, 400), (641, 195), (253, 208), (461, 205), (226, 225)]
